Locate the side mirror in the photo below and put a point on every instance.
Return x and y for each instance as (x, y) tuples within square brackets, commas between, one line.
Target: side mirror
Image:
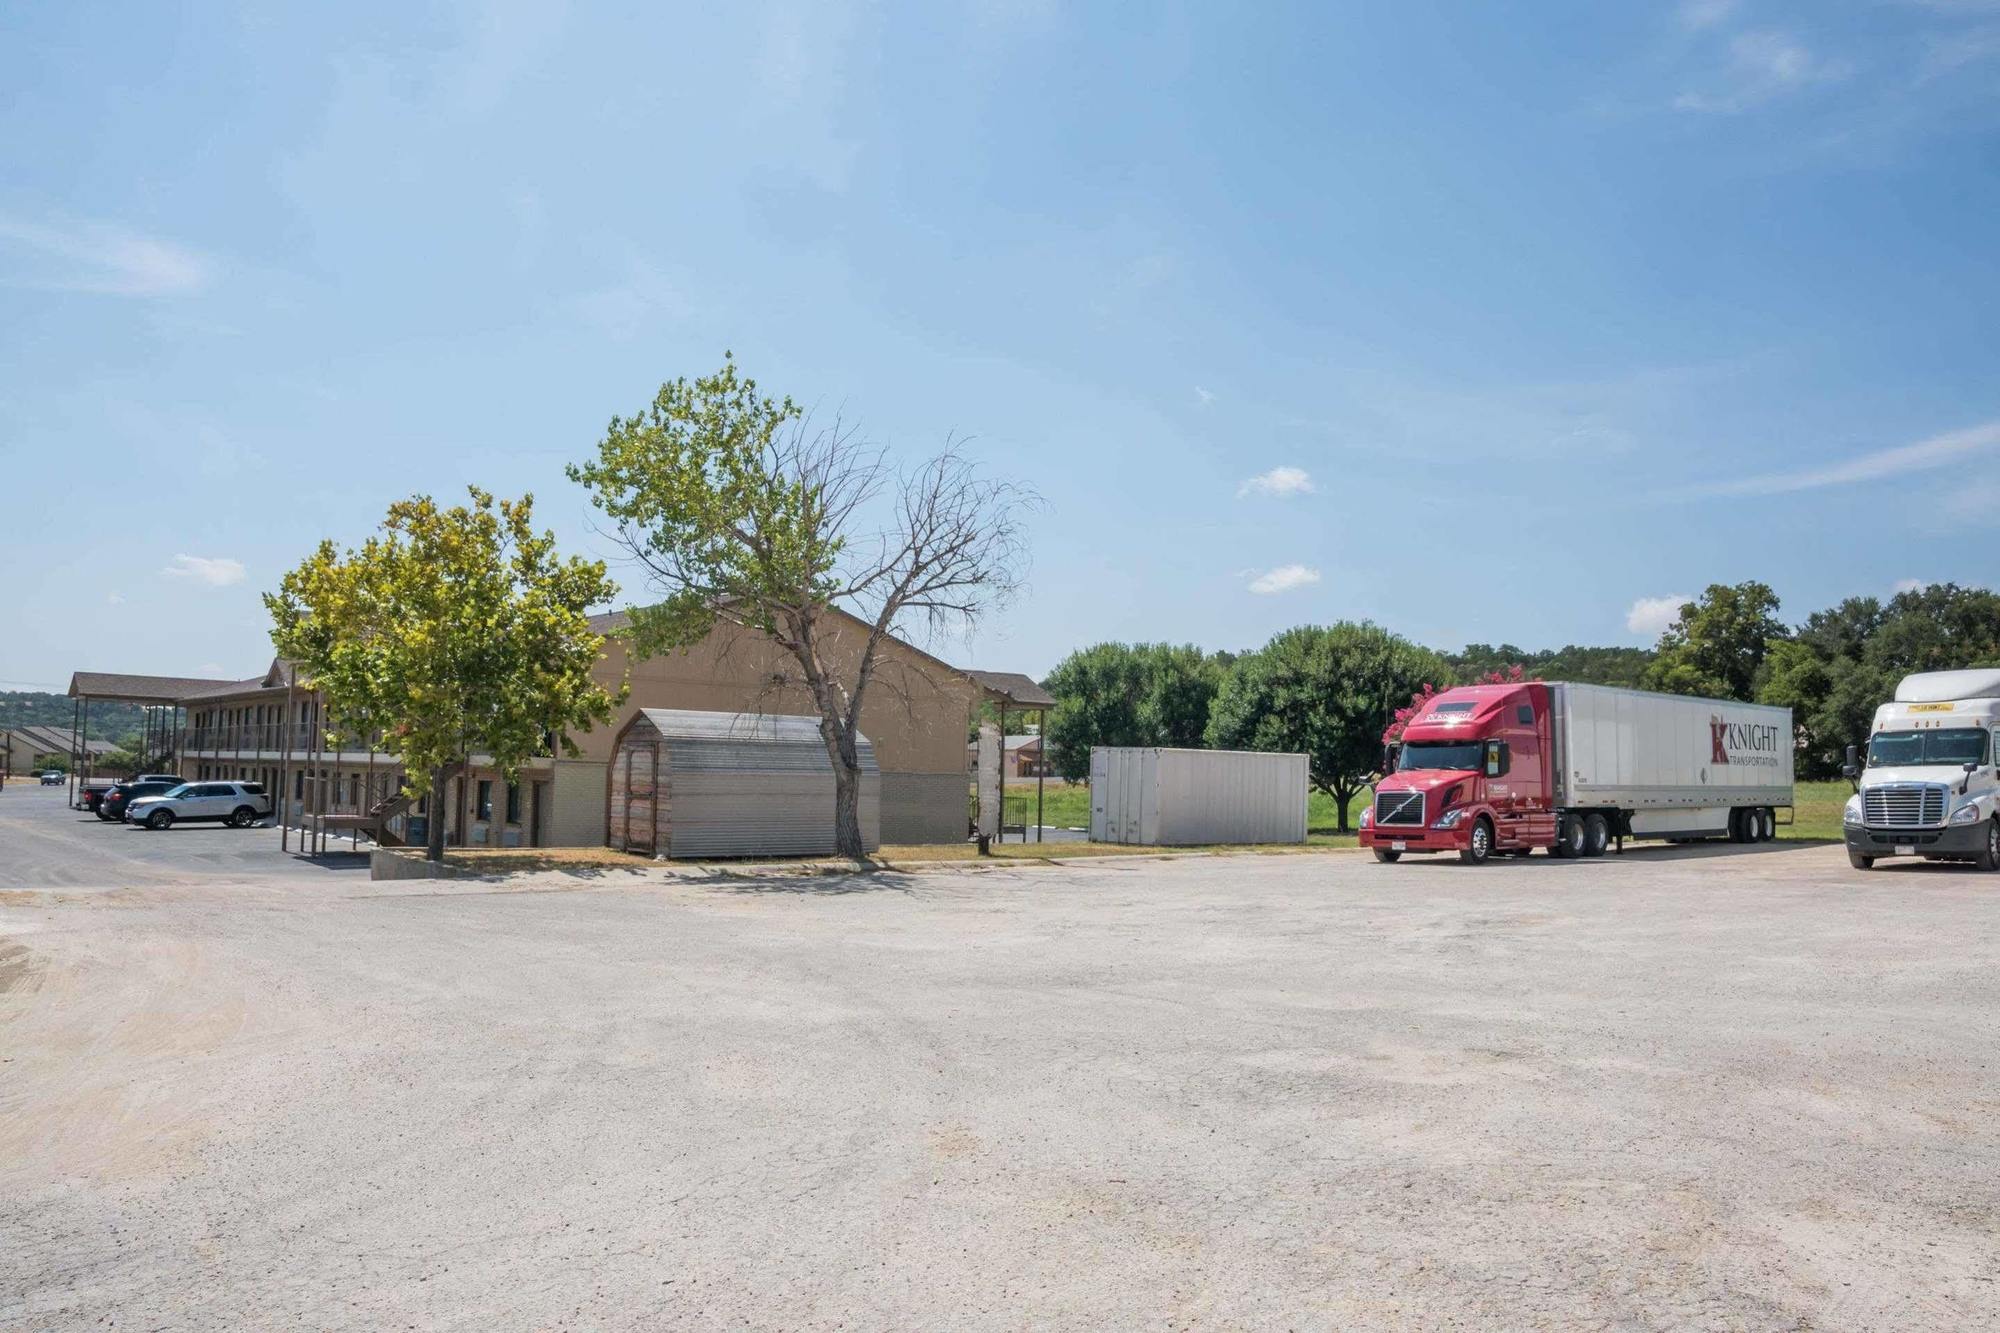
[(1851, 769)]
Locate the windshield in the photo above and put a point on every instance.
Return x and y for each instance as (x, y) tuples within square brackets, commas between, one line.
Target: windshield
[(1957, 746), (1440, 754)]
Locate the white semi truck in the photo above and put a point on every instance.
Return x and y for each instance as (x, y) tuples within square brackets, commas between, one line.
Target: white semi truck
[(1927, 785)]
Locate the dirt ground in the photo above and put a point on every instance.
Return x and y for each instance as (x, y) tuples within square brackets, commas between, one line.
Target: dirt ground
[(1705, 1088)]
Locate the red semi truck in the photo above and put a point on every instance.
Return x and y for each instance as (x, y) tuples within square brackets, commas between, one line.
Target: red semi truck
[(1490, 770)]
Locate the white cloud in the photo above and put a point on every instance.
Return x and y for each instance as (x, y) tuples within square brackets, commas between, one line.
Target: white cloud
[(1204, 395), (1762, 67), (1936, 452), (1909, 585), (216, 571), (1651, 615), (1283, 579), (97, 257), (114, 599), (1279, 481)]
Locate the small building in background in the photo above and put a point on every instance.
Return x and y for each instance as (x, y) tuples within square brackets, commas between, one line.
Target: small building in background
[(694, 784), (1156, 797)]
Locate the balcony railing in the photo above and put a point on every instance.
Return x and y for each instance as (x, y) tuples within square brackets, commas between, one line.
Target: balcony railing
[(269, 736)]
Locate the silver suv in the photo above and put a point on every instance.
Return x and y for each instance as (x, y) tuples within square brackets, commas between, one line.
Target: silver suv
[(237, 804)]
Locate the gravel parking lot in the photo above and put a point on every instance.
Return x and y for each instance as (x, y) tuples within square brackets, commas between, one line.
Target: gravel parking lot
[(1704, 1088)]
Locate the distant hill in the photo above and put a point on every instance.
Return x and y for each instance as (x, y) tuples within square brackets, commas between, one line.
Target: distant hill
[(1589, 666), (28, 708)]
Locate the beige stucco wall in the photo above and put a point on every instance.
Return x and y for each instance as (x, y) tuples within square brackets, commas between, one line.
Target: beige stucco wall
[(915, 712)]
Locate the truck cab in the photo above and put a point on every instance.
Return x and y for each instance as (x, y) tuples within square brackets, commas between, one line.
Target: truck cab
[(1927, 782), (1472, 775)]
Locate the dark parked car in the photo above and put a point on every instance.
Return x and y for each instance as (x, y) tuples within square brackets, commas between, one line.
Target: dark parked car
[(119, 799), (52, 778)]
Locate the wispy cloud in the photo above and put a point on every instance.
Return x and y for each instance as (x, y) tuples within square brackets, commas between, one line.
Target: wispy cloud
[(1948, 54), (1651, 615), (216, 571), (1284, 579), (1923, 456), (646, 297), (1909, 585), (1279, 481), (1761, 67), (1698, 14), (1203, 395), (98, 257)]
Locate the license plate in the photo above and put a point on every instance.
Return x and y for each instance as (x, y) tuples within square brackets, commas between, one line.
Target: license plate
[(1906, 850), (1399, 846)]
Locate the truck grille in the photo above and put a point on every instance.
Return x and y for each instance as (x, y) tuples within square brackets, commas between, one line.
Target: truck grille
[(1902, 805), (1405, 808)]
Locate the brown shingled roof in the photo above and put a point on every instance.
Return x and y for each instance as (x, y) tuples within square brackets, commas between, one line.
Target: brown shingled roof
[(1017, 689), (137, 689)]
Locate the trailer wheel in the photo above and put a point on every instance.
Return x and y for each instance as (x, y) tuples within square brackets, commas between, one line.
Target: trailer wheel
[(1767, 824), (1478, 844), (1596, 835), (1737, 824), (1858, 861), (1569, 838), (1387, 857)]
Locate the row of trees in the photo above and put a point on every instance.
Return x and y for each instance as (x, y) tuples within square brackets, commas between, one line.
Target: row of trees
[(1333, 691), (1832, 669), (1323, 690)]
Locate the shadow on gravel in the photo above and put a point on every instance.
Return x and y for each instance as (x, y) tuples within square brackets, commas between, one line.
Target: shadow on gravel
[(834, 885)]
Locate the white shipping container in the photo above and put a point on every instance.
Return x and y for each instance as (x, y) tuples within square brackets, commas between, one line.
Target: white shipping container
[(1639, 751), (1155, 797)]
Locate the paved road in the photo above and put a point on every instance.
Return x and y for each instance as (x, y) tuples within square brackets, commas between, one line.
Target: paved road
[(1679, 1090), (45, 844)]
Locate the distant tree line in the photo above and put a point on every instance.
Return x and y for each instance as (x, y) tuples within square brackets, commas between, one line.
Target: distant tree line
[(39, 708), (1331, 691)]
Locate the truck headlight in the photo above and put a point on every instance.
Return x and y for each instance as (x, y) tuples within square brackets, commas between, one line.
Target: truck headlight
[(1966, 814), (1368, 816), (1449, 819), (1852, 814)]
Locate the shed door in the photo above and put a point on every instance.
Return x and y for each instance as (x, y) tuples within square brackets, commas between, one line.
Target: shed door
[(641, 805)]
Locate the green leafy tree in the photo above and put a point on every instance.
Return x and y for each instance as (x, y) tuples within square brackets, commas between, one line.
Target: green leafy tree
[(454, 632), (1128, 694), (741, 512), (1327, 691), (1715, 646), (1590, 666)]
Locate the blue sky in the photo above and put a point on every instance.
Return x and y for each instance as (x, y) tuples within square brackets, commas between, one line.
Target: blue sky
[(1485, 322)]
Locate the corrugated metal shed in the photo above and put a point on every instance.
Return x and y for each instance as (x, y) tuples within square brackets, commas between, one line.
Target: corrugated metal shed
[(1182, 798), (694, 784)]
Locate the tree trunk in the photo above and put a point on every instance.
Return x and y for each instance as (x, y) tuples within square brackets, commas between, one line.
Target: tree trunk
[(1341, 796), (847, 839), (434, 824)]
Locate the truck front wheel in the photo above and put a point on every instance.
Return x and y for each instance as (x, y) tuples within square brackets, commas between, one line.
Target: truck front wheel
[(1387, 857), (1858, 861), (1478, 843), (1989, 859)]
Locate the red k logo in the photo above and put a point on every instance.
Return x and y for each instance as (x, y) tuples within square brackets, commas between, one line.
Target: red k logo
[(1718, 731)]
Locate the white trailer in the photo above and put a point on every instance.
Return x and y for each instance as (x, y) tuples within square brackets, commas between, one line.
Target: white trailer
[(1671, 766), (1157, 797)]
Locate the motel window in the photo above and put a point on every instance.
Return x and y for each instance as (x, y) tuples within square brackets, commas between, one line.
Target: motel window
[(485, 804), (513, 803), (299, 785)]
